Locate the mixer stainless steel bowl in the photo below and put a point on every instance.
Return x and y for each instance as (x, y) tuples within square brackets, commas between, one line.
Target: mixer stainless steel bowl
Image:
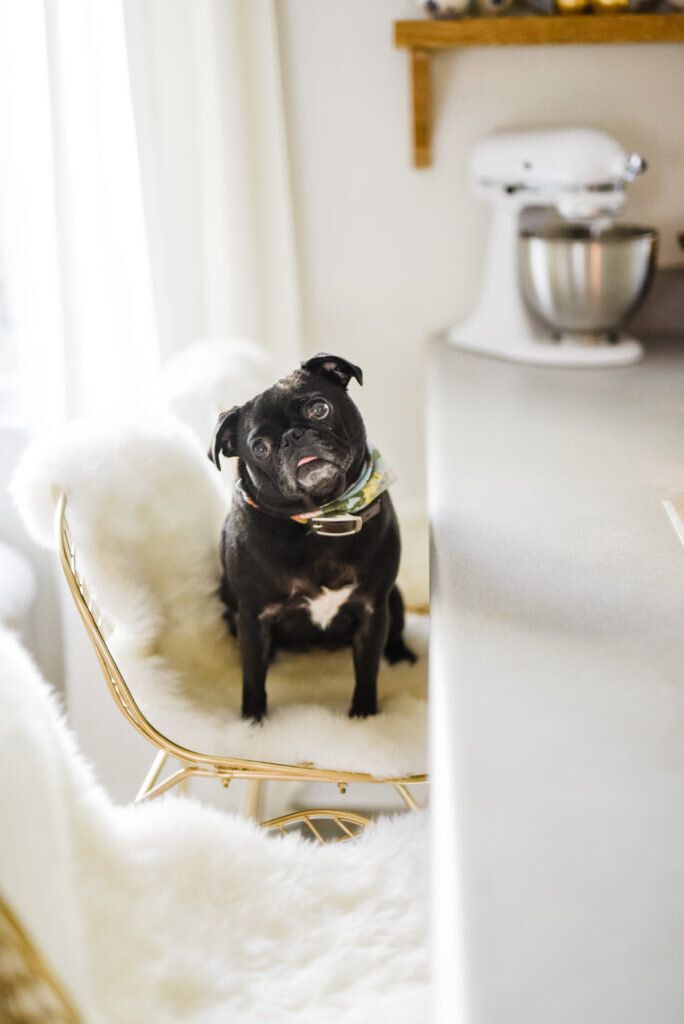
[(583, 283)]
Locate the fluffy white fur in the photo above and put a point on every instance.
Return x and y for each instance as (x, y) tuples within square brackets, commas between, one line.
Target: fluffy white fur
[(210, 376), (174, 912), (145, 507)]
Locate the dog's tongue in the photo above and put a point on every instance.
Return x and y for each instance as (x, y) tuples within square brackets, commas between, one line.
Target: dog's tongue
[(305, 459)]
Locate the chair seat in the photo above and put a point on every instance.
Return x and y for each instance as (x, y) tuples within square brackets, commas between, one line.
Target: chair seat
[(145, 510), (195, 701)]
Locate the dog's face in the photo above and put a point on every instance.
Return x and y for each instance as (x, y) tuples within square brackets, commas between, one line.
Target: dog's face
[(302, 442)]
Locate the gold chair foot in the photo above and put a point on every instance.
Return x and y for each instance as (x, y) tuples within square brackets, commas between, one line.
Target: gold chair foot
[(349, 823)]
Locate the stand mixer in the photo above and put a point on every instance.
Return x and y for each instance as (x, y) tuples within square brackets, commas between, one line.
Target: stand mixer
[(581, 174)]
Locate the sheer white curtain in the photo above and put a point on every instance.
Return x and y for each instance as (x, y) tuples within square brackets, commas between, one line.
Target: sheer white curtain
[(144, 191), (76, 254), (28, 229), (144, 203), (210, 111)]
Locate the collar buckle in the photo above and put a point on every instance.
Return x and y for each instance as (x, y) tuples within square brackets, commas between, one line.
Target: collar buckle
[(344, 524)]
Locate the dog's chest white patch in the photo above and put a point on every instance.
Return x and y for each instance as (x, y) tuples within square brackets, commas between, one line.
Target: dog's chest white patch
[(324, 607)]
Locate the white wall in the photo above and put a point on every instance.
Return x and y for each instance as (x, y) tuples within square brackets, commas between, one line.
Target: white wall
[(389, 254)]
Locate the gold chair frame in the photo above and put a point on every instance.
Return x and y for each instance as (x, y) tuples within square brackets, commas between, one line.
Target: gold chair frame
[(30, 991), (193, 763)]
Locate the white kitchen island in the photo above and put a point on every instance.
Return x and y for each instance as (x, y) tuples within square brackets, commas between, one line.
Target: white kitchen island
[(557, 690)]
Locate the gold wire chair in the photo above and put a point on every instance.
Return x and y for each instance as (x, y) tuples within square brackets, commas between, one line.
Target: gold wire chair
[(193, 763), (30, 991)]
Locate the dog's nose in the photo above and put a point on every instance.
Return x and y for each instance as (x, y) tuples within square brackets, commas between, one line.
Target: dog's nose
[(294, 434)]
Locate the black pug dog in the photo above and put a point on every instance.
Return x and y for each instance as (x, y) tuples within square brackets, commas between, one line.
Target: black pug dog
[(310, 548)]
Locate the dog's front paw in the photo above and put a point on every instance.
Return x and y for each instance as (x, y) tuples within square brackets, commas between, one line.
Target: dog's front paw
[(252, 713), (362, 710)]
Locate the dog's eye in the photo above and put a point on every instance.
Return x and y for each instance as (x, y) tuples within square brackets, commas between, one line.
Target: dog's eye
[(317, 409), (260, 447)]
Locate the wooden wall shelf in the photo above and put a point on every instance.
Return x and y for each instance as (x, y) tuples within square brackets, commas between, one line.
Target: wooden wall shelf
[(423, 37)]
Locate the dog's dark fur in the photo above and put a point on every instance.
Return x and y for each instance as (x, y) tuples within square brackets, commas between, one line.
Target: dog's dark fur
[(274, 566)]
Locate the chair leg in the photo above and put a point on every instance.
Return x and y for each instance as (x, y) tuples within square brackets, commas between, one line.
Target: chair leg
[(406, 796), (152, 775), (252, 803)]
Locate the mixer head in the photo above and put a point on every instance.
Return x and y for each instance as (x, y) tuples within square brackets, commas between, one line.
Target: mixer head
[(580, 171)]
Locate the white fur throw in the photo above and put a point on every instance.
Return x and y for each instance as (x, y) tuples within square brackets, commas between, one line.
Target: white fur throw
[(205, 378), (145, 507), (175, 913)]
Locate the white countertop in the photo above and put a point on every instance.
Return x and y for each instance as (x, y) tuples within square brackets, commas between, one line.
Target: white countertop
[(557, 674)]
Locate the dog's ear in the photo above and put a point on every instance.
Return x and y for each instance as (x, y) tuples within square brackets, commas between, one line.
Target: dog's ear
[(224, 441), (334, 367)]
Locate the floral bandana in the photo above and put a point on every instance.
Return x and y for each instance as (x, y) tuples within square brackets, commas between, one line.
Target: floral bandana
[(374, 481)]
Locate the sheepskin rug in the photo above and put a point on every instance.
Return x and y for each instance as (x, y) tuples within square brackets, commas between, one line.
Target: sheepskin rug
[(145, 507), (175, 912), (208, 376)]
